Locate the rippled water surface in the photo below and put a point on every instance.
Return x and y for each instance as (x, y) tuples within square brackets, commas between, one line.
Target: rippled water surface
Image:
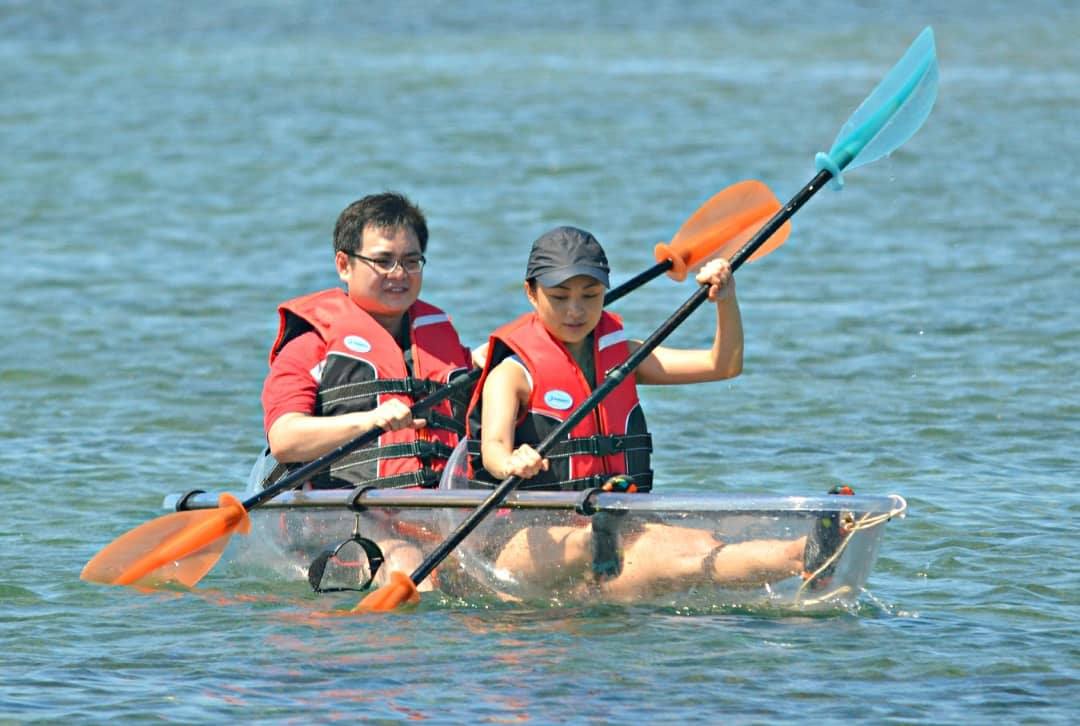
[(170, 175)]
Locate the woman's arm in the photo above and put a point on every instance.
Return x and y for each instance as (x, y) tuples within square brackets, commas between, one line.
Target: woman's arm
[(506, 392), (723, 360)]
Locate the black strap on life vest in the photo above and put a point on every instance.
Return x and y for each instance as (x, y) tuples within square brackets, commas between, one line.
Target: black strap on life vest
[(438, 420), (425, 477), (425, 451), (588, 445), (415, 388), (418, 388), (642, 480), (599, 445)]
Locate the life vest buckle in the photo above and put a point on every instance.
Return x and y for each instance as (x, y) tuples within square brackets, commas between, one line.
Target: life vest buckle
[(420, 388), (608, 445), (426, 450)]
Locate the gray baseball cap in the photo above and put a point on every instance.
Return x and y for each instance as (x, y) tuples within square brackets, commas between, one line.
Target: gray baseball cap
[(562, 253)]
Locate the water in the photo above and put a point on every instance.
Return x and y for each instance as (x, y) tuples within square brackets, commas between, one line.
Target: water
[(170, 175)]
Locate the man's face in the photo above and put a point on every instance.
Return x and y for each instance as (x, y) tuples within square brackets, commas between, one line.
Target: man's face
[(384, 295)]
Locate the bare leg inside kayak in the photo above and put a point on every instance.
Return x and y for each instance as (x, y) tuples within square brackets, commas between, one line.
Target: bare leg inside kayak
[(545, 554), (660, 557), (402, 556), (665, 557)]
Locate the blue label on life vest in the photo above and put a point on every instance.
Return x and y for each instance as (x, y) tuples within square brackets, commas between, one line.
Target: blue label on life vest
[(558, 400), (357, 344)]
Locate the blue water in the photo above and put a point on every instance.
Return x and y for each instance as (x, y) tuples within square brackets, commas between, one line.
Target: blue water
[(170, 175)]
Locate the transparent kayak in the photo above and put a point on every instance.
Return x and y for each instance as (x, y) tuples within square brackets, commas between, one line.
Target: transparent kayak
[(565, 548)]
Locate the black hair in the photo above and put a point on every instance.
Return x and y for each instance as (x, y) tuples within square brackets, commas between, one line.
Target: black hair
[(387, 211)]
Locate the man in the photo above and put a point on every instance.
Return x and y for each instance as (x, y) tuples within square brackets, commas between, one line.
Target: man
[(346, 362)]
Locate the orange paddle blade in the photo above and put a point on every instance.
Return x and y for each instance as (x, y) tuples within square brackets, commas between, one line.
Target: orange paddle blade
[(400, 590), (721, 226), (177, 548)]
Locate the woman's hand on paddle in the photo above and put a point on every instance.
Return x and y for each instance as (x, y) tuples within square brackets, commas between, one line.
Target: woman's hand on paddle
[(524, 462), (394, 416), (665, 366), (717, 275)]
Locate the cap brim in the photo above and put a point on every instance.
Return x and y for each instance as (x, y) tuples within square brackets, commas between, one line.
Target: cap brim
[(558, 277)]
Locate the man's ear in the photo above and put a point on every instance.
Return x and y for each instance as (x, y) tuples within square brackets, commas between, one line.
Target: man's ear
[(341, 262)]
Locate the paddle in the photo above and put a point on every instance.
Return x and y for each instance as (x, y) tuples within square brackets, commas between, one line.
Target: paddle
[(717, 228), (891, 114), (182, 547)]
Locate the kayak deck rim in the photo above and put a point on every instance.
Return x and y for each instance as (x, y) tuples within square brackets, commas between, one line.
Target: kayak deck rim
[(583, 502)]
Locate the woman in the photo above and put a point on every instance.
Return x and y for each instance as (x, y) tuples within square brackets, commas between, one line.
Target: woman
[(540, 367)]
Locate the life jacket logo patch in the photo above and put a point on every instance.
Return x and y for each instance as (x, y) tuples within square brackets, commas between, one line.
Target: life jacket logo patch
[(357, 344), (558, 400)]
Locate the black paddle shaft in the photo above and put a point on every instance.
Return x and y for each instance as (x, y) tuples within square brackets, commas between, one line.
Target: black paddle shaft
[(616, 376), (638, 280)]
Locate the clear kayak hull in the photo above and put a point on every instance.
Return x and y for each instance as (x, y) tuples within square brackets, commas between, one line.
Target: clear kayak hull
[(565, 548)]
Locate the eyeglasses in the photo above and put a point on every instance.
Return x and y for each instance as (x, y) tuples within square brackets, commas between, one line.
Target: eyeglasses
[(387, 265)]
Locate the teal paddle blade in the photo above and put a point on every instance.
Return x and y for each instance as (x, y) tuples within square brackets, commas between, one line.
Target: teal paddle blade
[(891, 114)]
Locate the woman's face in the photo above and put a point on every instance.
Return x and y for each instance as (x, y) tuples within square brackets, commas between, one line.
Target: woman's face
[(569, 310)]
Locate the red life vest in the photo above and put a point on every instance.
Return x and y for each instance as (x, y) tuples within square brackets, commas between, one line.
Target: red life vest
[(365, 367), (614, 439)]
